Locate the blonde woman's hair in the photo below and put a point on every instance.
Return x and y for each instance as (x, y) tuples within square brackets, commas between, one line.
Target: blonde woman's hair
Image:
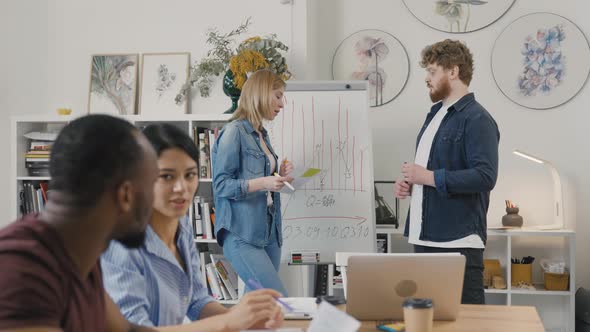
[(256, 97)]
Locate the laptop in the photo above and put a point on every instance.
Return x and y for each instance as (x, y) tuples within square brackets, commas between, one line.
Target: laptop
[(377, 285)]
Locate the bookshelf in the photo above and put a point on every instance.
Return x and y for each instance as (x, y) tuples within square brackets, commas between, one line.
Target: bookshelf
[(19, 174), (556, 308)]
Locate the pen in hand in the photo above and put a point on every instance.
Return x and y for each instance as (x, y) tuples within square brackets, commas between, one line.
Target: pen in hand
[(285, 182), (256, 285)]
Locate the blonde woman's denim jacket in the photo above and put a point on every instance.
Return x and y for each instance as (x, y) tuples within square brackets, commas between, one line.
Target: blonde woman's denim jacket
[(237, 158)]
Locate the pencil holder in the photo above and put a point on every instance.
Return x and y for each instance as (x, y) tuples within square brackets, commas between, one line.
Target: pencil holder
[(512, 219), (521, 272)]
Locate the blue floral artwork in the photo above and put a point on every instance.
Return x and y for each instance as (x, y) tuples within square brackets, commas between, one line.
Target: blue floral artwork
[(544, 63), (541, 60)]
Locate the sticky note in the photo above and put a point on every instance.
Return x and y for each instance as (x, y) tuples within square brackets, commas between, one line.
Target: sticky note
[(310, 172)]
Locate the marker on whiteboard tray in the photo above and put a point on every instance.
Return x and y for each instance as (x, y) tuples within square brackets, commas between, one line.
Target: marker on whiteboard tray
[(285, 182)]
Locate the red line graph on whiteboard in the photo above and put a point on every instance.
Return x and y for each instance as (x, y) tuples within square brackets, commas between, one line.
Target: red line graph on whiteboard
[(320, 133)]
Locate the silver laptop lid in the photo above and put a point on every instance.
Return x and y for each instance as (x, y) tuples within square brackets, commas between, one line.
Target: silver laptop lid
[(377, 285)]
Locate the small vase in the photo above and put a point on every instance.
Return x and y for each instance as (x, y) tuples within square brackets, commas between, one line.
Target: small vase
[(230, 90), (512, 219)]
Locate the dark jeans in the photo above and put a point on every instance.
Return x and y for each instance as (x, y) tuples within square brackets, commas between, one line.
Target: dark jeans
[(473, 292)]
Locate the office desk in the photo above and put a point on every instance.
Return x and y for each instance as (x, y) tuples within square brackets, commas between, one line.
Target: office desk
[(489, 318)]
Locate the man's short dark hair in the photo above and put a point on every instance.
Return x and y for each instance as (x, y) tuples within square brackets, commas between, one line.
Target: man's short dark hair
[(447, 54), (91, 155)]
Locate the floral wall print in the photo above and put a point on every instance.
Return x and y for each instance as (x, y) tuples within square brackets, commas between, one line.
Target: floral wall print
[(541, 60), (113, 84), (371, 52), (165, 80), (544, 64), (458, 16), (374, 56), (162, 76)]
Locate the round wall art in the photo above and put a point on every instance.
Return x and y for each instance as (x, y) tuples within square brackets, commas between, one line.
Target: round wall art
[(541, 60), (458, 16), (375, 56)]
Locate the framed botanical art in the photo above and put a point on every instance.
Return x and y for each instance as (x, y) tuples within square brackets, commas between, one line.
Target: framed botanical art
[(377, 57), (162, 76), (113, 84), (458, 16), (541, 60)]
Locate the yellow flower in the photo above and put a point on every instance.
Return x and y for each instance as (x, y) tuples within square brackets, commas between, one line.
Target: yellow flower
[(245, 62), (251, 39)]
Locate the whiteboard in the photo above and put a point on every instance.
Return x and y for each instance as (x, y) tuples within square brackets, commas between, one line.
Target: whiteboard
[(325, 125)]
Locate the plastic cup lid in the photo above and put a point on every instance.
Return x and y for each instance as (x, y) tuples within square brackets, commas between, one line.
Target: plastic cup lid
[(417, 303)]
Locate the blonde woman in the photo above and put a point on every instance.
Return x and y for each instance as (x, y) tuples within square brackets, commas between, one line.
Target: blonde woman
[(248, 206)]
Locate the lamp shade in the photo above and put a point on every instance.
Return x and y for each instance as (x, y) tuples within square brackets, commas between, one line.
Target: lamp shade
[(558, 222)]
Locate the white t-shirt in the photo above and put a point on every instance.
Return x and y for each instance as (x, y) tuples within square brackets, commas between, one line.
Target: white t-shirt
[(422, 154)]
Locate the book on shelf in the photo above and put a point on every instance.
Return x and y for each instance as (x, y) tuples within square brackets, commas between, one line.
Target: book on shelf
[(382, 243), (37, 158), (203, 157), (212, 281), (202, 218), (227, 275), (204, 139), (33, 197), (218, 275), (40, 145), (207, 229), (197, 219)]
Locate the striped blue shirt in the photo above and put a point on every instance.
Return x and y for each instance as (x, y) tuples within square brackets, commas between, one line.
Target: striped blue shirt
[(149, 285)]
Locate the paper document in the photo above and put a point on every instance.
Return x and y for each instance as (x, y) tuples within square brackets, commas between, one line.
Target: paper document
[(304, 307), (330, 318), (286, 329), (300, 178)]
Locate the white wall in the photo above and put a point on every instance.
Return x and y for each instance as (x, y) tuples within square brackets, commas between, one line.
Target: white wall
[(23, 74), (78, 29), (557, 135)]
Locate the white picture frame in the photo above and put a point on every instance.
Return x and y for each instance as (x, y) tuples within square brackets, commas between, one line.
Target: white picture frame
[(113, 84), (162, 76)]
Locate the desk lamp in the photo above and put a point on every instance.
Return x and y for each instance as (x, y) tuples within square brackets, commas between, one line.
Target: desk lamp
[(557, 191)]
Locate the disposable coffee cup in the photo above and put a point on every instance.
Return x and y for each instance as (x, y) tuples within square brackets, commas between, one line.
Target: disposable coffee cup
[(418, 315)]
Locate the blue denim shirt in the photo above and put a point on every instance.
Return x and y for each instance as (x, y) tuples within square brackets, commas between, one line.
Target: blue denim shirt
[(464, 158), (237, 158)]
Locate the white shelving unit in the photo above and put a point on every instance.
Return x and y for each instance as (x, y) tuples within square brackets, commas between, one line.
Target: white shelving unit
[(556, 308), (21, 125), (47, 122)]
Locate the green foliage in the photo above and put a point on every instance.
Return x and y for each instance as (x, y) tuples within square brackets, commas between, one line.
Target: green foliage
[(214, 64)]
